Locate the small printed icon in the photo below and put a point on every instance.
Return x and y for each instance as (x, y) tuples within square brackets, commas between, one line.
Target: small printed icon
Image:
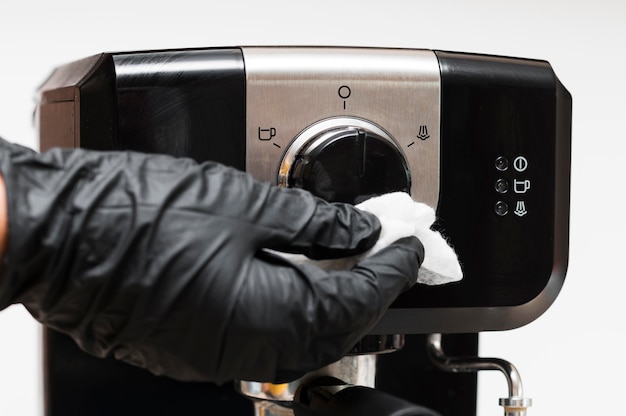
[(344, 92), (521, 186), (520, 209), (520, 163), (267, 134), (423, 132)]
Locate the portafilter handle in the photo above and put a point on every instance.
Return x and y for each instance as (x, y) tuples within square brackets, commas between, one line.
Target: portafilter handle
[(328, 396)]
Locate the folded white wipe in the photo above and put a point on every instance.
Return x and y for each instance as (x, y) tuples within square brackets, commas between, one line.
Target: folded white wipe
[(400, 217)]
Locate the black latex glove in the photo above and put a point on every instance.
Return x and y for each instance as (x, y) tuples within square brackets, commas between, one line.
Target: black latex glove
[(159, 262)]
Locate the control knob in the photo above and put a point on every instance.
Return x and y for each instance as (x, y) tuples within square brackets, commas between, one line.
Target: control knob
[(345, 160)]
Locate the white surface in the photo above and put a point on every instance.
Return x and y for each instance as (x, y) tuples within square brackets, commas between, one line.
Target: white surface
[(400, 216), (566, 358)]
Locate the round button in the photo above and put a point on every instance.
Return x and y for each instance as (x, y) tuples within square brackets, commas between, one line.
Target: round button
[(502, 186), (502, 208), (502, 163), (349, 164)]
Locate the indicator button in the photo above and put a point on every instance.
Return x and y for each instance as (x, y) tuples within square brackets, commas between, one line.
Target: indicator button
[(502, 186), (501, 208), (502, 163)]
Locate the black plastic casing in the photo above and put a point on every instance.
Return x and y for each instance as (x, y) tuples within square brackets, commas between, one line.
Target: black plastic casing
[(493, 109), (183, 103), (187, 103)]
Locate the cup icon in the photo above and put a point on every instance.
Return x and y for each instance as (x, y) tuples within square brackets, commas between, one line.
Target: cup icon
[(267, 134), (521, 186)]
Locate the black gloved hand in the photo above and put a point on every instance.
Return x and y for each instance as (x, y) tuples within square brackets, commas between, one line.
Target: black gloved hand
[(159, 262)]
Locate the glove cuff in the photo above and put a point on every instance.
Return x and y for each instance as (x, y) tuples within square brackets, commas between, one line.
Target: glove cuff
[(9, 281), (33, 216)]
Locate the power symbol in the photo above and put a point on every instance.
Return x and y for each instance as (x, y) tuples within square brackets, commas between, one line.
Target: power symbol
[(520, 163), (344, 92)]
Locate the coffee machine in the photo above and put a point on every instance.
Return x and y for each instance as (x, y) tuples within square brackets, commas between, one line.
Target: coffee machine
[(485, 140)]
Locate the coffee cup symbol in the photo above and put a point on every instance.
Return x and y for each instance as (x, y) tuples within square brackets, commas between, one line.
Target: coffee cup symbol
[(267, 134), (521, 186)]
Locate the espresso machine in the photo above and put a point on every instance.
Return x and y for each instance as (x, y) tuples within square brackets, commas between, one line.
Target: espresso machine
[(484, 140)]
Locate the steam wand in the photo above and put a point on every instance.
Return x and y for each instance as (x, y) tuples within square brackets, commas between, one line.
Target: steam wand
[(514, 405)]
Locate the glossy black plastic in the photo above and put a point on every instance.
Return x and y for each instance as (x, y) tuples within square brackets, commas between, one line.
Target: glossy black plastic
[(184, 103), (498, 109), (350, 166), (312, 400)]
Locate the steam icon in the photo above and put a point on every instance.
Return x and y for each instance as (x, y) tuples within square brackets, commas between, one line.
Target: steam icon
[(520, 209), (423, 132)]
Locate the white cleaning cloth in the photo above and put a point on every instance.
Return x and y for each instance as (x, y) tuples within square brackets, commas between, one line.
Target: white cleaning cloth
[(400, 217)]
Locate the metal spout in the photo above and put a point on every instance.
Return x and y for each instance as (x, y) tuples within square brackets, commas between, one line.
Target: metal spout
[(514, 405)]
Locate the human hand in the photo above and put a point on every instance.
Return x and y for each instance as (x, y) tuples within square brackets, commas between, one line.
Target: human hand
[(161, 263)]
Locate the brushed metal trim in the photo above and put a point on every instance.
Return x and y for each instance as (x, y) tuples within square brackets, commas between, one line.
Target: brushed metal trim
[(292, 89)]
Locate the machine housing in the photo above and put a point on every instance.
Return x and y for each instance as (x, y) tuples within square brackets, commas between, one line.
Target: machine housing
[(485, 140)]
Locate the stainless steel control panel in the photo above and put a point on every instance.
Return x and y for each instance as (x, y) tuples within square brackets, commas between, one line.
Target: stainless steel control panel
[(293, 94)]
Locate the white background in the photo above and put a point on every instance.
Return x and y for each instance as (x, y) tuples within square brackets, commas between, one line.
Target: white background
[(570, 358)]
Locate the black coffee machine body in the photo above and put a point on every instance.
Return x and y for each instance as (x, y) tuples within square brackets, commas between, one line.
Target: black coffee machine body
[(484, 140)]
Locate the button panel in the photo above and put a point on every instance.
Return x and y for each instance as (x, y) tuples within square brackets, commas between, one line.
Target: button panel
[(514, 179)]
